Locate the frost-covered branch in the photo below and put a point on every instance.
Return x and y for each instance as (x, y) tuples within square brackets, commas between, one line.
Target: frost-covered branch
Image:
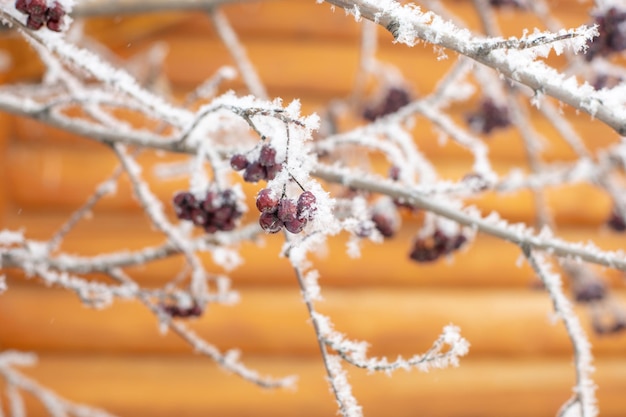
[(16, 382), (584, 391), (318, 177), (408, 25)]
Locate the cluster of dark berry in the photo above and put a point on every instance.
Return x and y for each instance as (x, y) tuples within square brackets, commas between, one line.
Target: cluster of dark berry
[(219, 210), (39, 14), (291, 214), (174, 310), (395, 99), (616, 221), (612, 38), (439, 244), (488, 117), (264, 168)]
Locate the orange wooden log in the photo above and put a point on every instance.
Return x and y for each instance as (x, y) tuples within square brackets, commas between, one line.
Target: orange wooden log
[(192, 386), (273, 321)]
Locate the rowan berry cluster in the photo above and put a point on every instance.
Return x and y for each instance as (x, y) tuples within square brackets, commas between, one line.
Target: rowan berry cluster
[(264, 168), (291, 214), (488, 117), (39, 13), (431, 248), (217, 211)]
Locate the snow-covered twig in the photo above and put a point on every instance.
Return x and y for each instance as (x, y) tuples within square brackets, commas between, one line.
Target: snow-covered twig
[(584, 390)]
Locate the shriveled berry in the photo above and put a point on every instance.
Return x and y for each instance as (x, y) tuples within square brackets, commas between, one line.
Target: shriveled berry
[(488, 117), (396, 98), (384, 224), (254, 172), (34, 23), (270, 222), (266, 201), (223, 214), (227, 197), (199, 217), (54, 25), (616, 222), (287, 210), (22, 5), (239, 162), (306, 205), (267, 156), (184, 203), (210, 203), (423, 252), (228, 224), (593, 290), (175, 310), (612, 33), (36, 7), (295, 225), (55, 12), (272, 170)]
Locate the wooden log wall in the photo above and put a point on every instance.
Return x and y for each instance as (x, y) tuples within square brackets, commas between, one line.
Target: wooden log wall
[(520, 363)]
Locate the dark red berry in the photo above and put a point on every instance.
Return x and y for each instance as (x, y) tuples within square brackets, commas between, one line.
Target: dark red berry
[(272, 170), (198, 216), (593, 290), (384, 224), (210, 203), (54, 25), (36, 8), (430, 248), (396, 98), (34, 23), (239, 162), (55, 12), (422, 251), (616, 222), (287, 210), (228, 225), (22, 5), (295, 225), (306, 205), (184, 203), (175, 310), (254, 172), (612, 34), (266, 201), (267, 156), (270, 222), (488, 117)]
